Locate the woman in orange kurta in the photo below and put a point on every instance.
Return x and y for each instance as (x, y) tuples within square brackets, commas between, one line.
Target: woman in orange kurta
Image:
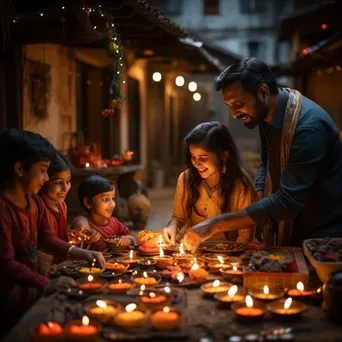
[(213, 183)]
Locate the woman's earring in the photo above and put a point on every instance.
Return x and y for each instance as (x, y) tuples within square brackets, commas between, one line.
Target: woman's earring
[(224, 169)]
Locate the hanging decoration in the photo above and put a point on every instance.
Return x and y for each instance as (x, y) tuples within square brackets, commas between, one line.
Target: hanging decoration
[(103, 24)]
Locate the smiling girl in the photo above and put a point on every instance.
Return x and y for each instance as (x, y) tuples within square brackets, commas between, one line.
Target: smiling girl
[(97, 196), (213, 183)]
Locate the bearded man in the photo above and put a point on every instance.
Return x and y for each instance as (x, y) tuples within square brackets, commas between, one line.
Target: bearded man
[(300, 177)]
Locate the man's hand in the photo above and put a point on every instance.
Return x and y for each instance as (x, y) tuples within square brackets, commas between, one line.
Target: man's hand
[(125, 241), (192, 240), (82, 254), (169, 234), (60, 283)]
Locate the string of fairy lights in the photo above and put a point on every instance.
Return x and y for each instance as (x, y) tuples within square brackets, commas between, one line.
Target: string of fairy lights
[(102, 23)]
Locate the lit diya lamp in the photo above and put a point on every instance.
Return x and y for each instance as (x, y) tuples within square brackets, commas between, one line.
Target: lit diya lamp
[(147, 263), (154, 300), (248, 311), (147, 279), (187, 266), (163, 261), (214, 267), (266, 295), (300, 294), (116, 267), (131, 318), (130, 260), (102, 310), (82, 330), (286, 309), (182, 257), (91, 270), (210, 289), (229, 297), (91, 286), (50, 331), (232, 274), (166, 319), (212, 257), (197, 274), (119, 286)]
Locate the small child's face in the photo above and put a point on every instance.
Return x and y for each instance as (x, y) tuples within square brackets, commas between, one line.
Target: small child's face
[(33, 180), (57, 188), (103, 204)]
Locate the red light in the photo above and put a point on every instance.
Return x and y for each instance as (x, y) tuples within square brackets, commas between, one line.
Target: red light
[(305, 51), (324, 26)]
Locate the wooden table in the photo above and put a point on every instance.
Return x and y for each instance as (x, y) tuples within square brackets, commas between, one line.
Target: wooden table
[(205, 319)]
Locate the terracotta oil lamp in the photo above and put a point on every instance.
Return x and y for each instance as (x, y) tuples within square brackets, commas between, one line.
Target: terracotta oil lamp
[(49, 331), (129, 260), (119, 286), (266, 294), (197, 274), (300, 294), (286, 309), (147, 263), (210, 289), (232, 273), (92, 270), (182, 257), (147, 279), (229, 297), (91, 286), (154, 300), (131, 317), (82, 330), (163, 261), (248, 312), (102, 311), (166, 319), (214, 267), (116, 267)]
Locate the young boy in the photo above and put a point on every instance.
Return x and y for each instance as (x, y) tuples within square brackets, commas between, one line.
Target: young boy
[(26, 158)]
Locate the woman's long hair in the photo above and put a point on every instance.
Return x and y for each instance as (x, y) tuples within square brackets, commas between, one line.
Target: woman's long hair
[(214, 137)]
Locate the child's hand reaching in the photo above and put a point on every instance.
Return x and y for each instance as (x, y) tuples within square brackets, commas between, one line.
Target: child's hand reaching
[(125, 241)]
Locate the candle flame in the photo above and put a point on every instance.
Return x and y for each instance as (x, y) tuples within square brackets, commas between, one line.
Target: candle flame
[(160, 241), (166, 309), (145, 275), (50, 324), (101, 304), (181, 249), (152, 295), (161, 252), (85, 320), (120, 281), (266, 290), (142, 288), (234, 268), (167, 289), (131, 254), (90, 278), (115, 263), (216, 283), (195, 266), (180, 276), (319, 290), (300, 286), (80, 292), (220, 259), (249, 301), (232, 291), (131, 307), (287, 303)]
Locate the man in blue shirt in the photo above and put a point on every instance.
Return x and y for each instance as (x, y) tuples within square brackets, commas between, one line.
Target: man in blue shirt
[(305, 197)]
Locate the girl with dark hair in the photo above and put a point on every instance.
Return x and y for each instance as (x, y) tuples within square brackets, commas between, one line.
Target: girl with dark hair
[(213, 183), (97, 195)]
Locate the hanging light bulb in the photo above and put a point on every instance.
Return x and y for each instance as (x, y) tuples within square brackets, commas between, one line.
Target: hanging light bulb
[(180, 81), (197, 96), (192, 86), (157, 77)]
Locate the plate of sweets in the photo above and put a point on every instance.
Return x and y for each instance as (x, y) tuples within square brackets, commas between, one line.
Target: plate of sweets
[(222, 247)]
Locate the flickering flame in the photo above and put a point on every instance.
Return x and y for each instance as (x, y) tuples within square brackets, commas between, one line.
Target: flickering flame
[(249, 301), (300, 286), (195, 266), (232, 291), (145, 275), (101, 304), (166, 309), (161, 252), (131, 254), (167, 289), (142, 288), (85, 320), (319, 290), (90, 278), (131, 307), (266, 290), (220, 259), (234, 268), (50, 324), (152, 295), (180, 276), (115, 263), (181, 249), (120, 281), (87, 165), (216, 283), (160, 240), (287, 303)]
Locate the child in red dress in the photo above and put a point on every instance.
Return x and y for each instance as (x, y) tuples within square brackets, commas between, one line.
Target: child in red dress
[(25, 160), (97, 195), (53, 194)]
